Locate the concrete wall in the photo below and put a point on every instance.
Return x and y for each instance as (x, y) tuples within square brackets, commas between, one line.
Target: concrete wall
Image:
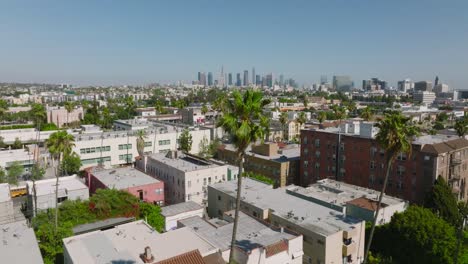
[(152, 193), (171, 221), (48, 201)]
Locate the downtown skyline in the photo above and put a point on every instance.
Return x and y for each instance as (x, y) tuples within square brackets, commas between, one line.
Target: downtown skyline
[(90, 43)]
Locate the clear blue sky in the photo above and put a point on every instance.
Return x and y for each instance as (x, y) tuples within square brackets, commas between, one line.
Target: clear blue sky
[(137, 42)]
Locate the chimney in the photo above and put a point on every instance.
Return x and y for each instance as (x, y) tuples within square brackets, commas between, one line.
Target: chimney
[(147, 257)]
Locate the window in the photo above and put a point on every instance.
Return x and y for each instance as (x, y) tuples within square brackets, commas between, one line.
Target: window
[(125, 146), (189, 184), (306, 163), (426, 158), (148, 144), (304, 140), (61, 199), (317, 153), (126, 157), (164, 142), (219, 197), (158, 191), (317, 143)]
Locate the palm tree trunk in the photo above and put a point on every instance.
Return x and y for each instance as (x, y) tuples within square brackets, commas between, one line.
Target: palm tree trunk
[(237, 209), (382, 192), (56, 193), (34, 197)]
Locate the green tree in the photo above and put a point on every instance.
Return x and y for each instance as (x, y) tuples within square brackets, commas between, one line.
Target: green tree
[(417, 236), (395, 136), (461, 126), (71, 163), (443, 203), (3, 109), (38, 115), (14, 172), (322, 116), (17, 144), (60, 143), (185, 141), (238, 120), (438, 125), (204, 109), (367, 113), (140, 141), (69, 106), (107, 203), (37, 173), (152, 215), (3, 178), (204, 148), (283, 119), (442, 117), (301, 118)]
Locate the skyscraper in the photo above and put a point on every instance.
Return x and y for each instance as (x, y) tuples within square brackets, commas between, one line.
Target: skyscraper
[(222, 80), (238, 80), (342, 83), (374, 84), (210, 79), (269, 80), (258, 80), (281, 80), (201, 78), (253, 76), (246, 78), (423, 86), (323, 79), (405, 85), (230, 79)]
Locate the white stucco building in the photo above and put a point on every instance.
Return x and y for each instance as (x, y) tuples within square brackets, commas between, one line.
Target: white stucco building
[(173, 213)]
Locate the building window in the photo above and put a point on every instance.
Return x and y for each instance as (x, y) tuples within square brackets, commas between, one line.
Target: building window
[(372, 165), (148, 144), (219, 197), (61, 199), (125, 146), (306, 163), (317, 143), (189, 184), (126, 157), (426, 158), (317, 153), (164, 142)]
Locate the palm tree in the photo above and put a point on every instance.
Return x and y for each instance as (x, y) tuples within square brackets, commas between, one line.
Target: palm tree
[(38, 114), (367, 113), (140, 141), (322, 116), (461, 127), (37, 173), (69, 106), (59, 144), (395, 136), (283, 120), (301, 118), (238, 120)]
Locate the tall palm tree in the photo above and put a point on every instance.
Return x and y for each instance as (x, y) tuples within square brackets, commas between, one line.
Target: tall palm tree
[(69, 106), (140, 141), (395, 136), (301, 118), (367, 113), (283, 118), (238, 120), (322, 116), (59, 144)]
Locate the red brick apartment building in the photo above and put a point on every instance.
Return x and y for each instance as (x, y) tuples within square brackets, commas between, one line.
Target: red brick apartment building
[(353, 156)]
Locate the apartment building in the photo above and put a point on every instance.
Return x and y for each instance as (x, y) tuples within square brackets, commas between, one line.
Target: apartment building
[(280, 164), (352, 200), (131, 180), (60, 116), (352, 155), (185, 176), (119, 147), (70, 188), (136, 242), (257, 241), (328, 235), (25, 157)]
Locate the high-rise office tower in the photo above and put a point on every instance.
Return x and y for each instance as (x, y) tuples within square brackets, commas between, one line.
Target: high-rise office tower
[(281, 80), (423, 86), (323, 79), (222, 80), (258, 80), (202, 78), (246, 78), (405, 85), (230, 79), (342, 83), (238, 80), (374, 84), (210, 79), (253, 76), (269, 80), (436, 81)]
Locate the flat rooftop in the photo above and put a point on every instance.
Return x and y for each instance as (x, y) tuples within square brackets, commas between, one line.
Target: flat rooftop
[(251, 233), (4, 192), (183, 162), (339, 193), (287, 153), (123, 178), (68, 183), (125, 243), (19, 243), (180, 208), (306, 214)]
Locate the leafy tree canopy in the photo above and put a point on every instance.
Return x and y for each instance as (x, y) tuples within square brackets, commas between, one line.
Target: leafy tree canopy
[(443, 203)]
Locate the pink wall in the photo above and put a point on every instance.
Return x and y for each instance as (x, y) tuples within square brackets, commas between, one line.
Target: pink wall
[(149, 192)]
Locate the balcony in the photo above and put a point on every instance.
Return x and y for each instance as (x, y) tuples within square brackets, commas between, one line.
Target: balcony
[(349, 249), (455, 161)]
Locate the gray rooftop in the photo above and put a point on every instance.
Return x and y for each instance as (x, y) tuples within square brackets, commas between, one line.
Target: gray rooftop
[(123, 178), (125, 243), (339, 193), (180, 208), (80, 229), (183, 162), (289, 152), (250, 234), (299, 211), (19, 244)]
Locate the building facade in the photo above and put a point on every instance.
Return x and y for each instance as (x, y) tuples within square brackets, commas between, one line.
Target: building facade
[(60, 116), (356, 158)]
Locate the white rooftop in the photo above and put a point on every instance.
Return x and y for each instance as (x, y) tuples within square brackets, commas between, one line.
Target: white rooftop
[(250, 234), (4, 192), (10, 155), (46, 187), (123, 178), (183, 162), (339, 193), (125, 243), (304, 213), (19, 244), (180, 208)]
